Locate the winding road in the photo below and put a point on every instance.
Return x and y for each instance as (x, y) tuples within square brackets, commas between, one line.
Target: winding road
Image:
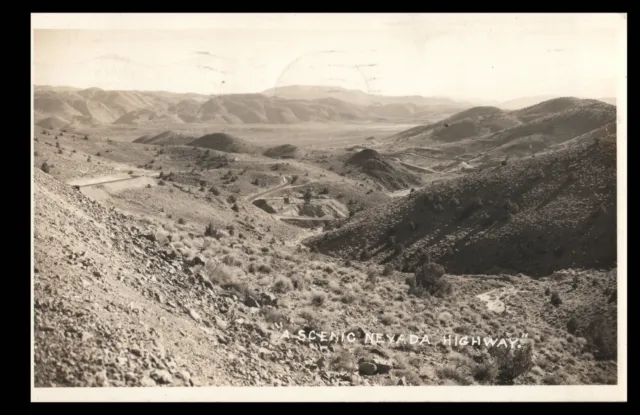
[(95, 181), (288, 184)]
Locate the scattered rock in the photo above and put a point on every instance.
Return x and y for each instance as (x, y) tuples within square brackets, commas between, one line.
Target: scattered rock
[(367, 368), (251, 302), (197, 261), (149, 236), (184, 375), (269, 299), (194, 315), (162, 376), (148, 382)]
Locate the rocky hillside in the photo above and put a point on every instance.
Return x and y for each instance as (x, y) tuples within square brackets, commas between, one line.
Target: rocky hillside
[(124, 302), (533, 216)]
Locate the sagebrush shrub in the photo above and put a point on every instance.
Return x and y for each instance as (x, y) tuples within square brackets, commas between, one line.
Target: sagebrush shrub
[(511, 363), (429, 277)]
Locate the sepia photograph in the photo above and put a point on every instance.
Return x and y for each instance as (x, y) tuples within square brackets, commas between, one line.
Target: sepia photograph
[(328, 207)]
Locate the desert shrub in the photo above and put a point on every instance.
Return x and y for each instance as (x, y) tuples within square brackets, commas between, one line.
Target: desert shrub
[(391, 241), (429, 278), (324, 191), (572, 324), (308, 195), (511, 363), (511, 207), (264, 268), (365, 254), (215, 191), (282, 285), (272, 315), (372, 276), (219, 274), (45, 167), (602, 338), (388, 270), (181, 221), (449, 372), (555, 299), (410, 281), (348, 298), (318, 299), (484, 373), (344, 361), (235, 208)]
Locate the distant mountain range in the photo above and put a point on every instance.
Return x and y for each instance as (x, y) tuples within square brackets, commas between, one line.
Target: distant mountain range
[(56, 107)]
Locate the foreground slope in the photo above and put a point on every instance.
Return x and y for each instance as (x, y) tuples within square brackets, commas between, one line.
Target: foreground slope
[(116, 305), (534, 216)]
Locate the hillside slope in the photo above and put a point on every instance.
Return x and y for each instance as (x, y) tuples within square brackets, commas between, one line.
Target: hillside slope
[(389, 174), (534, 216), (474, 122), (115, 305)]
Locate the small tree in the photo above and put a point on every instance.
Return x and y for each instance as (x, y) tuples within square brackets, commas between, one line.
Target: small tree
[(210, 230), (555, 299), (308, 195), (429, 278), (512, 363)]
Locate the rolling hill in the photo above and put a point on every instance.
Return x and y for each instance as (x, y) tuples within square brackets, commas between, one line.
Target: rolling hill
[(214, 141), (390, 174), (520, 132), (99, 107)]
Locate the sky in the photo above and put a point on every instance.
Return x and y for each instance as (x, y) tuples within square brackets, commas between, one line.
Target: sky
[(462, 56)]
